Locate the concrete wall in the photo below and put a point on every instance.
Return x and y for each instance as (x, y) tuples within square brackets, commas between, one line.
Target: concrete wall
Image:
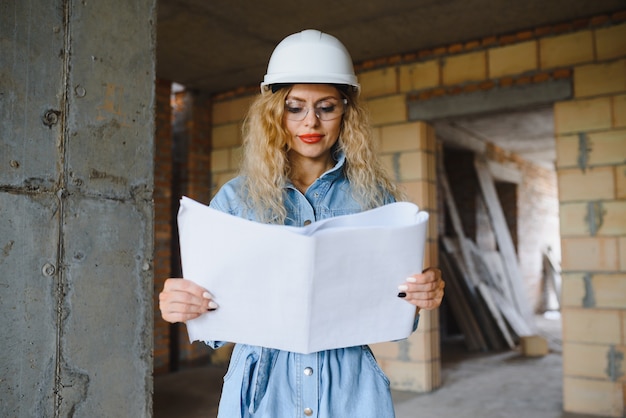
[(76, 158)]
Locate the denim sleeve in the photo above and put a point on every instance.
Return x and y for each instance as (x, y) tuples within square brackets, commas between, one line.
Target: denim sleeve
[(216, 344), (416, 322)]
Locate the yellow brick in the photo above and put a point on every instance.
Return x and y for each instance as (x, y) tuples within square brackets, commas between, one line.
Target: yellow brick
[(582, 115), (235, 157), (431, 257), (572, 290), (432, 230), (220, 160), (413, 166), (601, 148), (595, 183), (379, 82), (609, 218), (595, 397), (224, 136), (534, 346), (512, 59), (595, 360), (607, 147), (620, 181), (573, 218), (405, 137), (386, 110), (622, 256), (619, 111), (420, 76), (417, 192), (614, 217), (590, 254), (596, 326), (611, 42), (231, 110), (596, 79), (431, 160), (609, 290), (377, 138), (389, 163), (463, 68), (410, 376), (389, 350), (423, 346), (428, 255), (567, 150), (566, 50)]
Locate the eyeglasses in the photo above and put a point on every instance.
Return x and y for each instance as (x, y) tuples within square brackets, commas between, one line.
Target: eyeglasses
[(325, 110)]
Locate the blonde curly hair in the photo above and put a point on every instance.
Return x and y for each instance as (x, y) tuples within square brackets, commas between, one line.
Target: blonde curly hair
[(265, 166)]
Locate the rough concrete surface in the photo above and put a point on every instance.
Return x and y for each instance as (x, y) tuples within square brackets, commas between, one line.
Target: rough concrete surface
[(475, 385)]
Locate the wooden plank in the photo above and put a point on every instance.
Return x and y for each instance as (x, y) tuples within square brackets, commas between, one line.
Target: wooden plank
[(503, 238), (503, 172), (512, 316), (554, 269), (461, 310), (496, 277), (485, 318), (492, 263), (486, 294), (458, 227)]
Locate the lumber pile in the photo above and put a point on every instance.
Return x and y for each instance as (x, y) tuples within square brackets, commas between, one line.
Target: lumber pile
[(484, 288)]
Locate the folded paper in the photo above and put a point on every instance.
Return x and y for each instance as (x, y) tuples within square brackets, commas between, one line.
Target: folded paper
[(327, 285)]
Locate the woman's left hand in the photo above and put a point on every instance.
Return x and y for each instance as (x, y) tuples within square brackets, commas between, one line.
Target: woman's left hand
[(425, 290)]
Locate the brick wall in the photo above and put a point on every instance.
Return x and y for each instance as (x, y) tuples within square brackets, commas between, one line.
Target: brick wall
[(538, 225), (591, 145), (408, 150), (591, 172)]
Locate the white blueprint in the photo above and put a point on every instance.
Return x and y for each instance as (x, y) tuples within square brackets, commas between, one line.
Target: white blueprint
[(330, 284)]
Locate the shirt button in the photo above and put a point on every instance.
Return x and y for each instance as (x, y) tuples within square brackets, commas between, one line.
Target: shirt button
[(316, 194), (307, 222), (308, 371), (308, 412)]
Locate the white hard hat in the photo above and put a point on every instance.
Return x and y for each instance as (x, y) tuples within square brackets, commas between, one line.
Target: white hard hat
[(310, 56)]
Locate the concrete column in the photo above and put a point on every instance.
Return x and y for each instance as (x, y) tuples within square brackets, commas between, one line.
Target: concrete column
[(76, 180)]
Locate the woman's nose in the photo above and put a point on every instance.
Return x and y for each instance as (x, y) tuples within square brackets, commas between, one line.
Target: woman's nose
[(311, 118)]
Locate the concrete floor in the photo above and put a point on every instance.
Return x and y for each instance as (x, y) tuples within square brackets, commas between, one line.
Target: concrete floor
[(475, 385)]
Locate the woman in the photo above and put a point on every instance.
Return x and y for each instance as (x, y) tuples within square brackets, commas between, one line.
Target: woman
[(307, 156)]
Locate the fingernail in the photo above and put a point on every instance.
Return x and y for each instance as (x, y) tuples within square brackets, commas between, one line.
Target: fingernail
[(411, 279), (207, 295), (401, 295), (403, 287), (213, 306)]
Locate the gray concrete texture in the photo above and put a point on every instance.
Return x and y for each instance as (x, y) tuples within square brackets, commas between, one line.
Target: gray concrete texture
[(76, 162)]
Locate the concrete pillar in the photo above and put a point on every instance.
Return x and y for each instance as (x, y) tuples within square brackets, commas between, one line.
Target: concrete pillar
[(76, 180)]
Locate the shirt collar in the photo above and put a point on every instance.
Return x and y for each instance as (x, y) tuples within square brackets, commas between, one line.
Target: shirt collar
[(331, 174)]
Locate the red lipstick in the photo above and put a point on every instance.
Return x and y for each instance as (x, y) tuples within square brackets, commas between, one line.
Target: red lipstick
[(311, 138)]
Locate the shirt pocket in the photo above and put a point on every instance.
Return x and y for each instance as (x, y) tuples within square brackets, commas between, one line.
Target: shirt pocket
[(373, 364)]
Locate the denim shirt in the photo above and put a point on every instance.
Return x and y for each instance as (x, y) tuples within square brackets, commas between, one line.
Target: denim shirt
[(270, 383)]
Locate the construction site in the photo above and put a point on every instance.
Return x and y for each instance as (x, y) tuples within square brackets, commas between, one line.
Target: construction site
[(506, 122)]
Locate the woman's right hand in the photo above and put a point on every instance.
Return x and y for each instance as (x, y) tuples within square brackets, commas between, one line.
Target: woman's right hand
[(182, 300)]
